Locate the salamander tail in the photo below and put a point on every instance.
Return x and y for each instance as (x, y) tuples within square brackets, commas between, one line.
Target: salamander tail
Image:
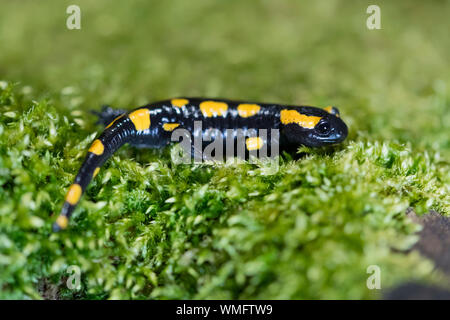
[(117, 133)]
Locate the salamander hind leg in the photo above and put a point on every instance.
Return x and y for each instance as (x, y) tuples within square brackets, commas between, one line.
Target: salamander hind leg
[(107, 115)]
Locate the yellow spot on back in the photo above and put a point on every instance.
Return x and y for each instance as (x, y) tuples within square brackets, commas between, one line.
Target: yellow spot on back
[(293, 116), (179, 102), (170, 126), (62, 221), (96, 171), (328, 109), (97, 147), (140, 119), (73, 194), (213, 108), (248, 110), (109, 125), (254, 143)]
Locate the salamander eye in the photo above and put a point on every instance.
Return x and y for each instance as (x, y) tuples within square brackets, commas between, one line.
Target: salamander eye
[(323, 128)]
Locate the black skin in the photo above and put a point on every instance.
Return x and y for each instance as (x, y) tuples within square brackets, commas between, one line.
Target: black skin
[(329, 130)]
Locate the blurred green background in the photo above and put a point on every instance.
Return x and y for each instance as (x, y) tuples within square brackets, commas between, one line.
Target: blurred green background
[(392, 87)]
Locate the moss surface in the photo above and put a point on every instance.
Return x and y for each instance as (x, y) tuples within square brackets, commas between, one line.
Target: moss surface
[(147, 228)]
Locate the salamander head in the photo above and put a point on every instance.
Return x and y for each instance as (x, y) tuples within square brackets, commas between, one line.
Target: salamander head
[(313, 127)]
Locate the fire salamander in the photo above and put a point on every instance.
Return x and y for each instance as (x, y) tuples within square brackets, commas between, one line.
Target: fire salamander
[(151, 126)]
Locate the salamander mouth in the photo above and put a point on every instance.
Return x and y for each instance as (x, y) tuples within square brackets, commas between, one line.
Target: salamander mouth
[(331, 141)]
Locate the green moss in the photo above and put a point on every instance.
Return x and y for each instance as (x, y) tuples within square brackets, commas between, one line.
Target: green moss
[(147, 228), (150, 228)]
